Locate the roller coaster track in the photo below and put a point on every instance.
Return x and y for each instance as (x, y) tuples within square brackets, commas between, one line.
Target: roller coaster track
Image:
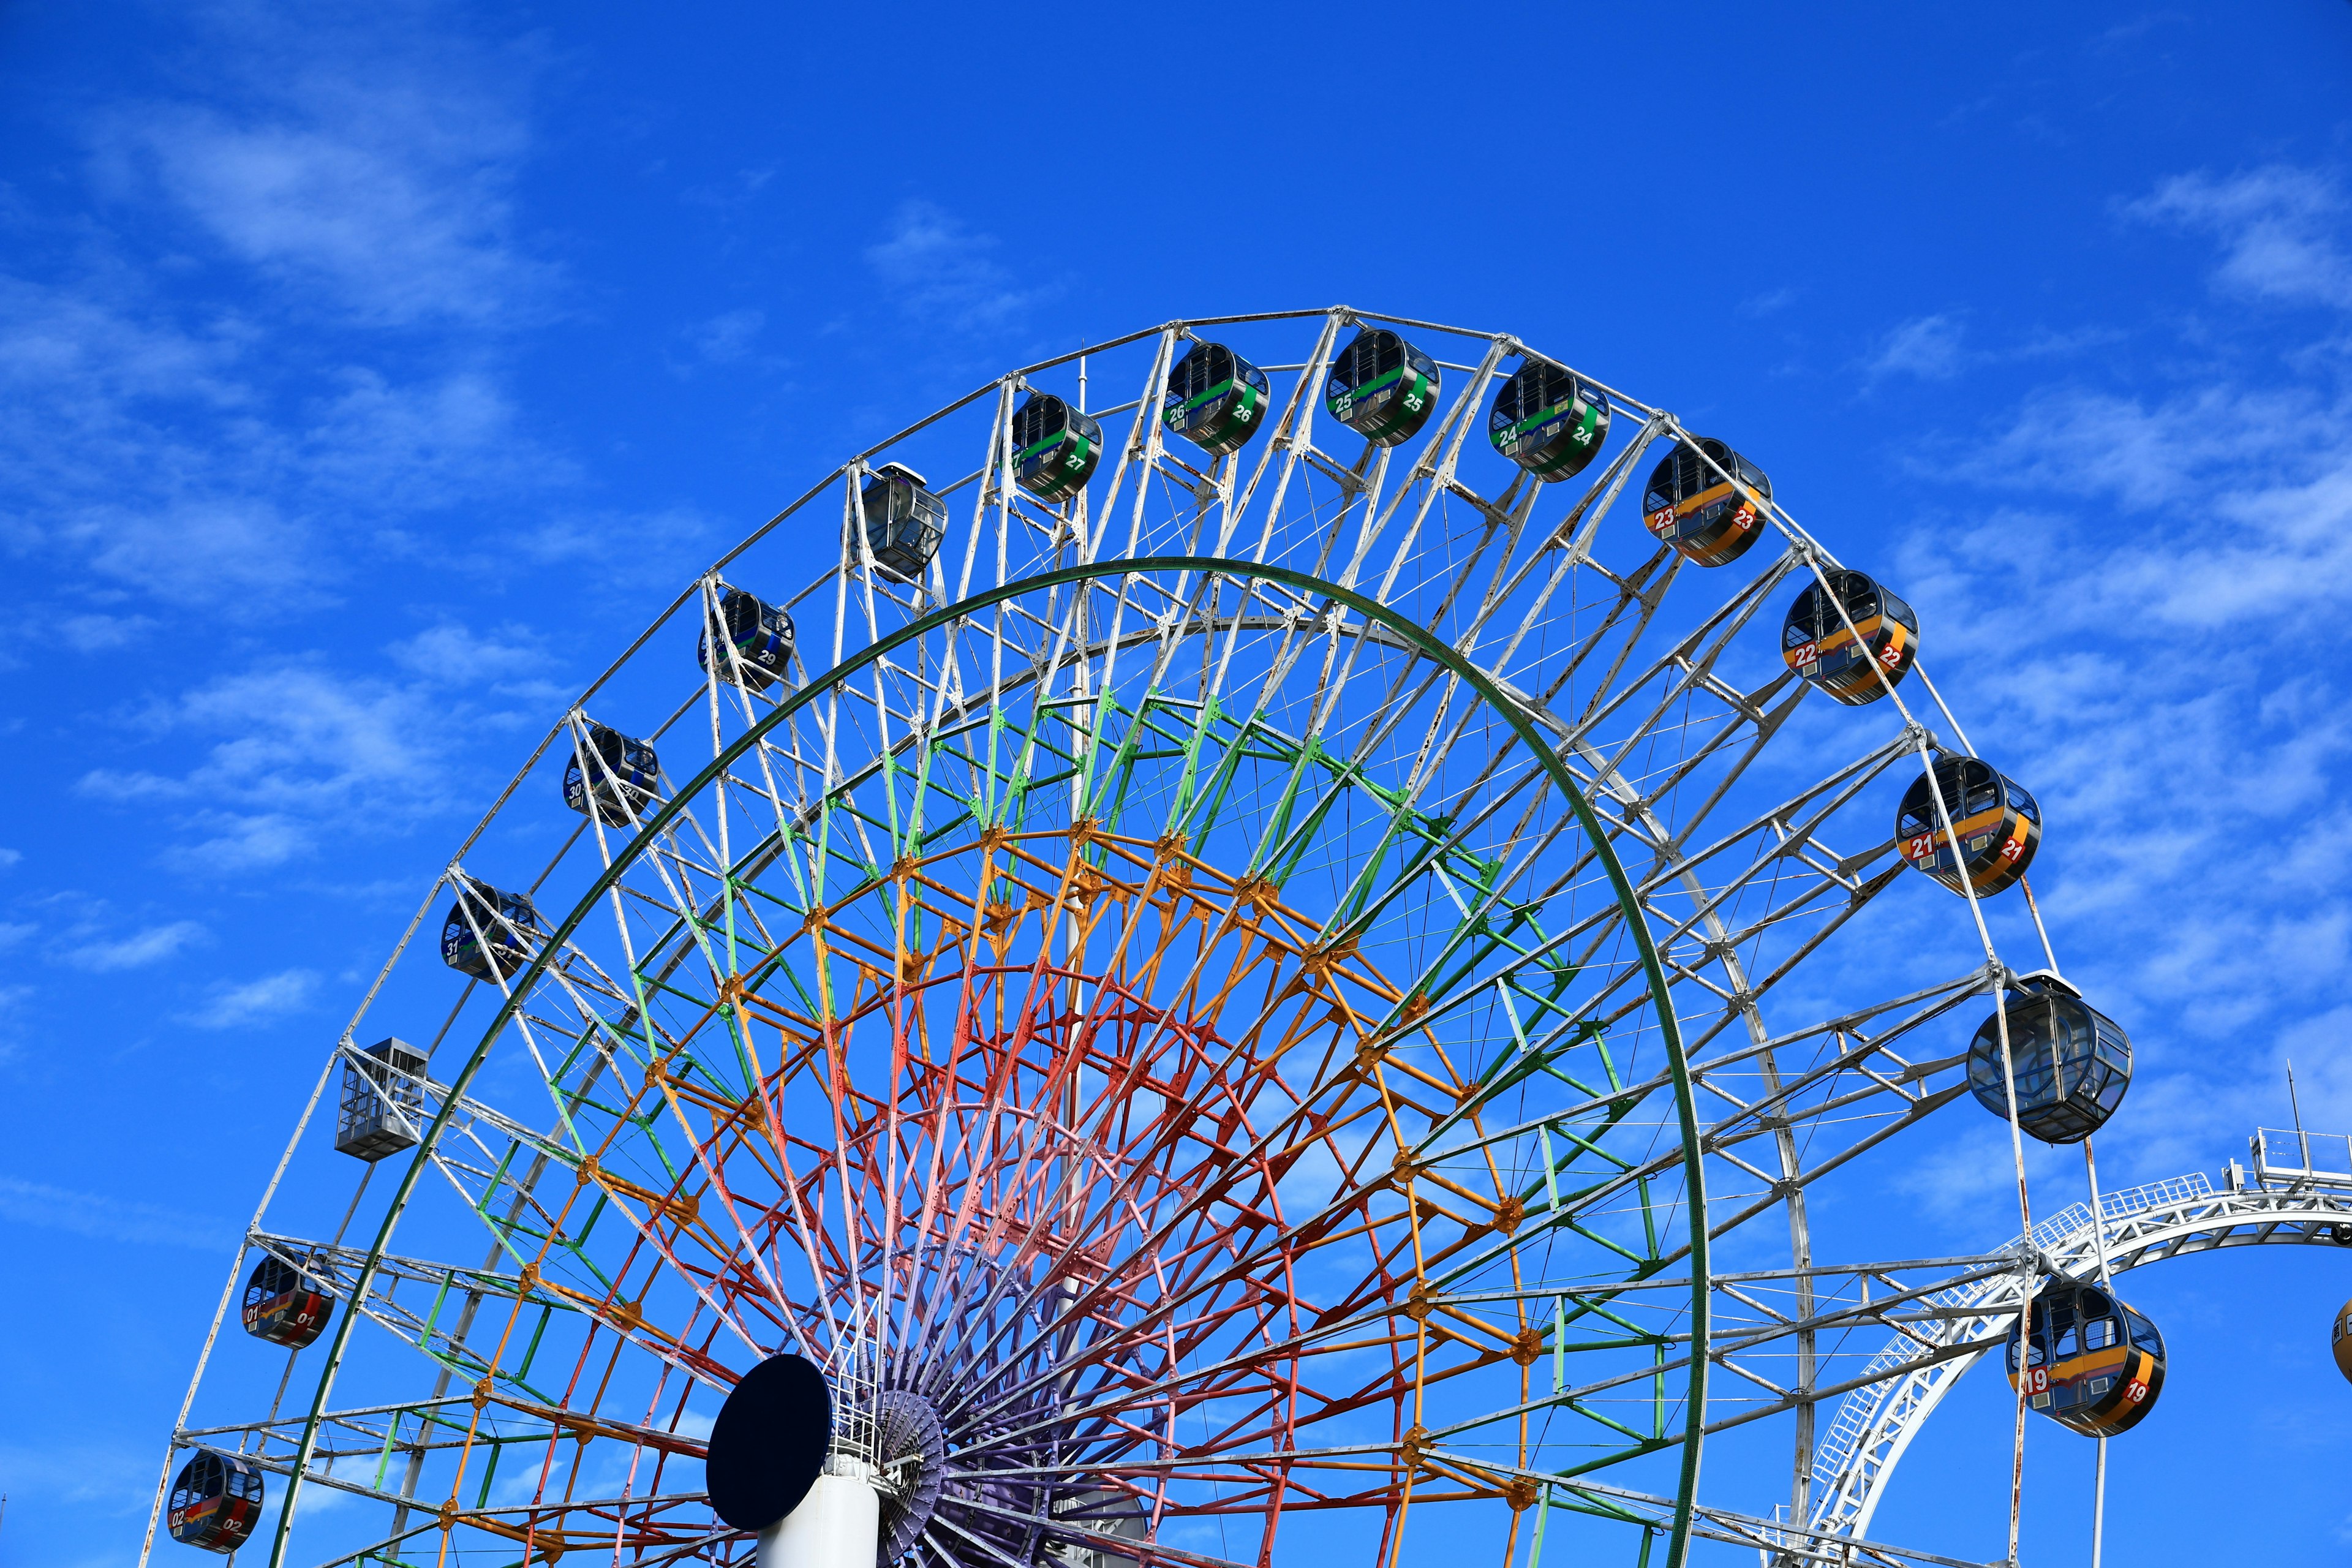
[(2288, 1201)]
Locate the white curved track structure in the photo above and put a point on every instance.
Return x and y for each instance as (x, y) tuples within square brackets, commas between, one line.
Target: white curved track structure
[(1284, 1006), (1948, 1327)]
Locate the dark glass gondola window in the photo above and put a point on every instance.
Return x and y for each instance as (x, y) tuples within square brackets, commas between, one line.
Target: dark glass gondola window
[(1055, 449), (484, 935), (215, 1501), (1997, 825), (904, 521), (283, 1305), (1849, 636), (618, 772), (1213, 399), (1688, 471), (1381, 387), (761, 635), (2070, 1064), (1548, 420)]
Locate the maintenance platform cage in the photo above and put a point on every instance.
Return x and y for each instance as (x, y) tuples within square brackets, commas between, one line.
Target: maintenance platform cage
[(382, 1104)]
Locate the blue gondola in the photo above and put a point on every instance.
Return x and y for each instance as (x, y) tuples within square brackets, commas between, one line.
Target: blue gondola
[(1215, 399), (1997, 823), (1055, 449), (1707, 501), (762, 635), (503, 919), (1548, 420), (2070, 1064), (904, 521), (216, 1502), (283, 1305), (1381, 387), (620, 774)]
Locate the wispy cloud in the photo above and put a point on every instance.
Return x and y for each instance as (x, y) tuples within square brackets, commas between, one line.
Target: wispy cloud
[(104, 1218), (229, 1006), (92, 946), (2171, 688), (1939, 348), (368, 167), (300, 748), (728, 337), (1929, 347), (2279, 228), (940, 270), (216, 458)]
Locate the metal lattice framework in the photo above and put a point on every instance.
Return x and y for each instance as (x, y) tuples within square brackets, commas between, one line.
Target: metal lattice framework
[(1940, 1332), (1259, 1004)]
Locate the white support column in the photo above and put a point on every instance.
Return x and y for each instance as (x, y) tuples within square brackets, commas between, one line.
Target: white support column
[(837, 1525)]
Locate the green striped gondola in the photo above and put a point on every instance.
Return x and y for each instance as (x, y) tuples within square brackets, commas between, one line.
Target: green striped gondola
[(1215, 399), (1055, 449), (1548, 420), (1381, 387)]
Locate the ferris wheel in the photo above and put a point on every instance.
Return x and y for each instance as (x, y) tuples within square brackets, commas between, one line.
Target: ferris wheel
[(1269, 965)]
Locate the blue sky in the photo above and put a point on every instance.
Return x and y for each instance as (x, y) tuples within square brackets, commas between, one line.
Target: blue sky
[(369, 375)]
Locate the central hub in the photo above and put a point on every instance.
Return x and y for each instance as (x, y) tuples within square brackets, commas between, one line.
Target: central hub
[(911, 1457)]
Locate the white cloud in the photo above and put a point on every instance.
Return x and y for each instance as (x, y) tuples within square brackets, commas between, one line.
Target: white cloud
[(89, 946), (940, 270), (2145, 624), (256, 1001), (9, 858), (1929, 347), (295, 751), (450, 655), (368, 168), (219, 457), (121, 1220), (2278, 226), (727, 337)]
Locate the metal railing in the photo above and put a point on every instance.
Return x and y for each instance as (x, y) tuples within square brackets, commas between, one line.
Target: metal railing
[(2290, 1155)]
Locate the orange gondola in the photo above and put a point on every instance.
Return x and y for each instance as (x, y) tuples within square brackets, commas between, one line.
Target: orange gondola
[(1707, 501), (2094, 1365), (1843, 653), (1996, 824), (2343, 1341)]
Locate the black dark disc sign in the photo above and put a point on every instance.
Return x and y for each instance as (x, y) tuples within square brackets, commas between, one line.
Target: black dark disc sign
[(769, 1443)]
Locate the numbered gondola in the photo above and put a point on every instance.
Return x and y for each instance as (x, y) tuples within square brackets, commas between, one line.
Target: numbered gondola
[(1381, 387), (904, 521), (1214, 399), (283, 1305), (2070, 1064), (761, 635), (2086, 1360), (616, 773), (1055, 449), (1548, 420), (484, 934), (1843, 653), (215, 1502), (1707, 501), (1995, 827)]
